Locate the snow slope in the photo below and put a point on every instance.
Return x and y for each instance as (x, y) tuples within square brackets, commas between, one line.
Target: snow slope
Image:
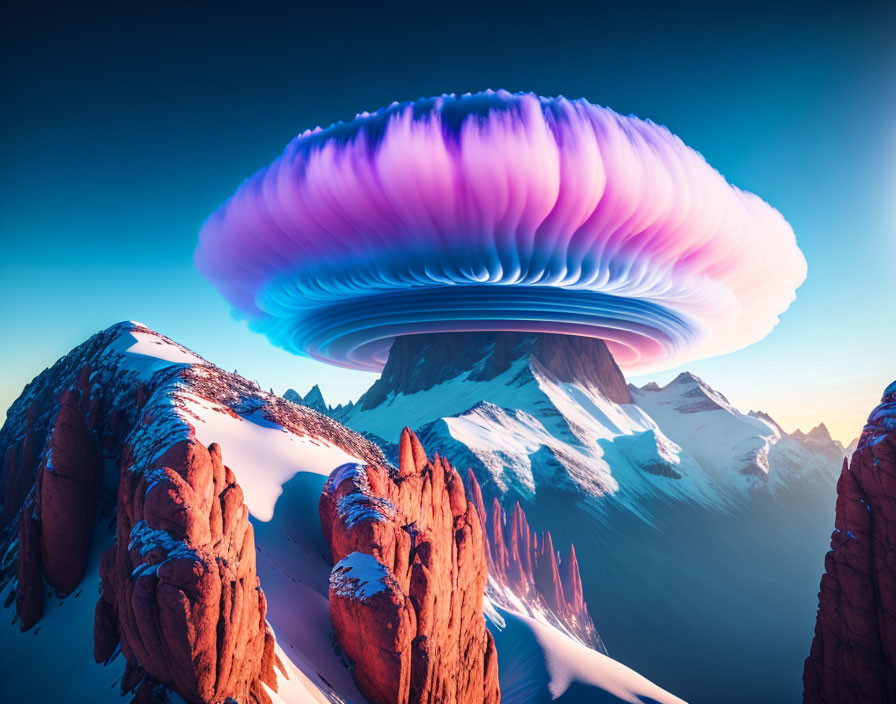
[(545, 665), (525, 429)]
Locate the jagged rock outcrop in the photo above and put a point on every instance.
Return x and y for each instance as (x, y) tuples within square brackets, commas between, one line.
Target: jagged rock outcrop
[(526, 563), (408, 580), (180, 589), (853, 654), (419, 362)]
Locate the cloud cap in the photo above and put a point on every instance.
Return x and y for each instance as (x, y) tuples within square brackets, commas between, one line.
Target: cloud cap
[(499, 211)]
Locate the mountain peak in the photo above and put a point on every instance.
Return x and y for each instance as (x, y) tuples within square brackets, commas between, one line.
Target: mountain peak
[(691, 379), (819, 433), (690, 394), (315, 399), (420, 362)]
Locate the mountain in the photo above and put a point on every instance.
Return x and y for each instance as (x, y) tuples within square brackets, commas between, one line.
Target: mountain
[(313, 399), (187, 498), (675, 499), (853, 654), (114, 481), (522, 422), (740, 451), (293, 396)]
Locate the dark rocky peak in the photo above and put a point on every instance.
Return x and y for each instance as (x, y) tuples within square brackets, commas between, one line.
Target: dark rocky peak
[(293, 396), (420, 362), (315, 399)]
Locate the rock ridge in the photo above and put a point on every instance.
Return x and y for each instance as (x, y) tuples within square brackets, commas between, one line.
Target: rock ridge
[(406, 589), (853, 653)]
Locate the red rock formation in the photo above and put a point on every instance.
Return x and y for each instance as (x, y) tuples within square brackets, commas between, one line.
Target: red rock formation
[(30, 590), (180, 589), (407, 585), (70, 480), (20, 460), (853, 655), (56, 521), (531, 568)]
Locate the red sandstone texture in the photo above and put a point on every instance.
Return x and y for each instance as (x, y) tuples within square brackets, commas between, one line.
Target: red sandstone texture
[(56, 523), (853, 655), (180, 589), (408, 581), (527, 564)]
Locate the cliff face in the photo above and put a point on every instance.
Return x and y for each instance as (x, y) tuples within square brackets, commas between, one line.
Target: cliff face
[(524, 563), (179, 587), (419, 362), (408, 581), (853, 654)]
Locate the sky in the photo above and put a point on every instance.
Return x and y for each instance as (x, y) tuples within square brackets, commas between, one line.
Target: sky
[(124, 127)]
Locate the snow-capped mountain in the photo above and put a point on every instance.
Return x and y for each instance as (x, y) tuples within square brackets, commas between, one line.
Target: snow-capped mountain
[(674, 498), (511, 407), (144, 400), (738, 450)]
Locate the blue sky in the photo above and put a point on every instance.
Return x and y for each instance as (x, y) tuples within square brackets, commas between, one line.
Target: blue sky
[(121, 132)]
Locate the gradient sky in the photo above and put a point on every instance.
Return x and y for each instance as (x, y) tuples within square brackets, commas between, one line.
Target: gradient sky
[(122, 129)]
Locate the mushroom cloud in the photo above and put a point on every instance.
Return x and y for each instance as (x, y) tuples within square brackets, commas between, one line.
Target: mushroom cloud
[(500, 211)]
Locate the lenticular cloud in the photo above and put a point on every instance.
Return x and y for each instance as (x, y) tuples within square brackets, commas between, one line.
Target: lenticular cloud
[(500, 211)]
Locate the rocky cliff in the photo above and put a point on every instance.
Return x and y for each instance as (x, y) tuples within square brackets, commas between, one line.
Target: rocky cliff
[(853, 654), (179, 589), (419, 362), (528, 574), (106, 438), (408, 580)]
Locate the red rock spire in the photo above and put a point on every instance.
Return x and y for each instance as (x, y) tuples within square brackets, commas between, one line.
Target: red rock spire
[(853, 654), (408, 580)]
